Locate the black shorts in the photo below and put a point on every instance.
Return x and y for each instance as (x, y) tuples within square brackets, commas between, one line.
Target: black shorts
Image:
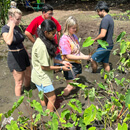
[(77, 69), (18, 60)]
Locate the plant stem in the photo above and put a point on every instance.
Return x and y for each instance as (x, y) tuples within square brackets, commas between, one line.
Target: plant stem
[(118, 117), (123, 113)]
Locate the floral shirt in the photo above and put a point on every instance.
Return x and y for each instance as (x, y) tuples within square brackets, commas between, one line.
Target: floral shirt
[(69, 45)]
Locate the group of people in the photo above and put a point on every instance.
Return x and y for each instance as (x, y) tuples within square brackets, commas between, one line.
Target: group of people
[(50, 47)]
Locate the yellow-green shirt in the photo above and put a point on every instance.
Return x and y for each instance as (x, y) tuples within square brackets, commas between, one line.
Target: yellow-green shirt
[(40, 57)]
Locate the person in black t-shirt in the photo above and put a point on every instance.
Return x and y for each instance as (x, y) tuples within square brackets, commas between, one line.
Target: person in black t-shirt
[(18, 59), (105, 33)]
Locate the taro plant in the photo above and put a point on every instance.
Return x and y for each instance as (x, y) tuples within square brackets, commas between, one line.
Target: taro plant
[(124, 62), (4, 6), (24, 122)]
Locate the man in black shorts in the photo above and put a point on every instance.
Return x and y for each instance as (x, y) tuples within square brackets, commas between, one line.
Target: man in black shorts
[(105, 33)]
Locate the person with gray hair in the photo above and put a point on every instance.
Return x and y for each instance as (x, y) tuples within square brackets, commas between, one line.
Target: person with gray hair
[(18, 59), (106, 30)]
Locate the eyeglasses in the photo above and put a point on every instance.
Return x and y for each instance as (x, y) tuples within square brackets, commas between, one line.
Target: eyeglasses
[(50, 14)]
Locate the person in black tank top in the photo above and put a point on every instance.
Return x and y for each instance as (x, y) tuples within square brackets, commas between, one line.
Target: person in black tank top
[(18, 59)]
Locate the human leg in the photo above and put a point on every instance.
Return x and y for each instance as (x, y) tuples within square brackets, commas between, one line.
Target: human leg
[(94, 66), (106, 59), (68, 88), (18, 77), (106, 67), (51, 100), (101, 55), (27, 77), (70, 75)]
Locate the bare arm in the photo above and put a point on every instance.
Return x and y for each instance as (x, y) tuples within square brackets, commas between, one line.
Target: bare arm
[(8, 37), (101, 35), (80, 57), (58, 36), (55, 68), (30, 37)]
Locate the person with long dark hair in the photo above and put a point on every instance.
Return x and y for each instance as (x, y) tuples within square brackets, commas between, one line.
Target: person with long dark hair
[(43, 54)]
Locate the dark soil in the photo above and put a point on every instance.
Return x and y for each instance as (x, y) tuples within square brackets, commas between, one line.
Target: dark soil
[(88, 26)]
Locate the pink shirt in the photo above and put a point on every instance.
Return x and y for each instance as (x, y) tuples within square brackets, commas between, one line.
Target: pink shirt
[(69, 45)]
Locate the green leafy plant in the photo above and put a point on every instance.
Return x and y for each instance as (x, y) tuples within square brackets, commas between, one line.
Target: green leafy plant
[(124, 62), (4, 6)]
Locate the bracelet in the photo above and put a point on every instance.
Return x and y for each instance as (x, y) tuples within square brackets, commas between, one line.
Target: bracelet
[(61, 68)]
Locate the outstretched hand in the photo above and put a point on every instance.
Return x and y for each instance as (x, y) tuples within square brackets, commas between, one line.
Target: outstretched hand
[(67, 64), (65, 68)]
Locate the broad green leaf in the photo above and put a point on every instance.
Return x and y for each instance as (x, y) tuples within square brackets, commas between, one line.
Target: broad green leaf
[(82, 86), (129, 107), (88, 42), (117, 81), (82, 124), (54, 124), (15, 105), (122, 80), (127, 63), (121, 35), (37, 106), (103, 43), (89, 114), (122, 60), (127, 118), (12, 126), (91, 94), (121, 97), (62, 120), (21, 128), (63, 105), (30, 93), (86, 93), (38, 117), (66, 114), (74, 84), (20, 101), (74, 117), (123, 127), (123, 47), (92, 128), (1, 116), (127, 101), (62, 92), (105, 76), (101, 72), (75, 105), (41, 95), (114, 116), (119, 67), (99, 114), (116, 102), (102, 86), (68, 125)]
